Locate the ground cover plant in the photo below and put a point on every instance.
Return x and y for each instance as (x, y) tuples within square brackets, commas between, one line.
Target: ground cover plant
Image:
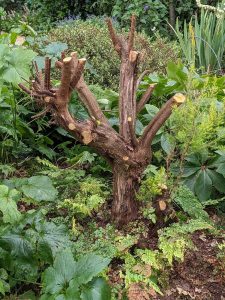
[(108, 190)]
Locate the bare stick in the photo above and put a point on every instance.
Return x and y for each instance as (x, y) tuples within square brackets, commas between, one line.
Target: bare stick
[(132, 132), (114, 37), (144, 99), (78, 72), (25, 89), (140, 78), (90, 101), (132, 32), (160, 118), (64, 89), (47, 72)]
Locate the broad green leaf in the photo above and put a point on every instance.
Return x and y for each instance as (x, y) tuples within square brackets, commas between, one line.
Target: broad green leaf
[(8, 205), (152, 111), (55, 48), (203, 185), (89, 266), (40, 188), (52, 239), (221, 169), (166, 144), (218, 180), (66, 275), (29, 295), (18, 68), (56, 278), (190, 182), (139, 127), (18, 244), (194, 159), (189, 170), (98, 289)]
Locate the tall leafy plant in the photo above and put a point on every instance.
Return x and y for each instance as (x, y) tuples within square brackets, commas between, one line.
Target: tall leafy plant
[(203, 41)]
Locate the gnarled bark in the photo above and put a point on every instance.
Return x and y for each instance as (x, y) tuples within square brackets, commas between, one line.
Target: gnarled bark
[(127, 154)]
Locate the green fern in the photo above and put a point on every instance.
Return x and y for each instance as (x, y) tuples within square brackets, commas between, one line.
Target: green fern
[(185, 199), (174, 240)]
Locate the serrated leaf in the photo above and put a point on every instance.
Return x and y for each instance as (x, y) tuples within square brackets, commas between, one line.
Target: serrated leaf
[(57, 277), (89, 266), (8, 205), (18, 69), (98, 289), (52, 239), (40, 188)]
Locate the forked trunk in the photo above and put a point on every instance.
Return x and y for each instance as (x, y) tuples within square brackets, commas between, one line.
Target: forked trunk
[(128, 153), (126, 182)]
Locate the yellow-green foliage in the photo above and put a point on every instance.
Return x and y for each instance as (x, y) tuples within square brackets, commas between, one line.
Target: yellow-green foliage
[(90, 197), (203, 115), (91, 40), (137, 271), (152, 186), (175, 239), (147, 266)]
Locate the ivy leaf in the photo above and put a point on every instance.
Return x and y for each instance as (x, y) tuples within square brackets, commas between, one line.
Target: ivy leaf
[(98, 289), (8, 204), (40, 188), (203, 185)]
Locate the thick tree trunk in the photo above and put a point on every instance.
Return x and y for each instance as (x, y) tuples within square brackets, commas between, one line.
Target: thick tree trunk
[(125, 185)]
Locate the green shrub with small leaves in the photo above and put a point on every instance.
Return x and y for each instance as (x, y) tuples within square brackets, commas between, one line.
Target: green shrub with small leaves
[(185, 199), (152, 186), (91, 195), (91, 40), (148, 267)]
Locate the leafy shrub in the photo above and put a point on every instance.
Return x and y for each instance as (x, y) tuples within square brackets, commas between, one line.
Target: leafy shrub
[(92, 41), (204, 174), (149, 266), (150, 15), (202, 44), (91, 195), (175, 239), (17, 137), (70, 279), (184, 198), (152, 186)]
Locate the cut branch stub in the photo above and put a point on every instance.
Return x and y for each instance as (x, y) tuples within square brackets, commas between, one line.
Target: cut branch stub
[(144, 99), (128, 80), (160, 118)]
